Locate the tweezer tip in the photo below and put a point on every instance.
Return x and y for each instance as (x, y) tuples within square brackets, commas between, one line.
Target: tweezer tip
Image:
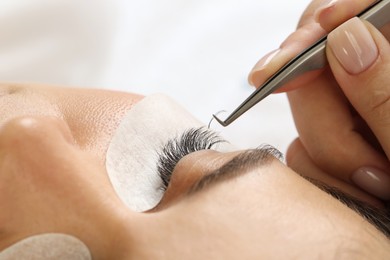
[(221, 122)]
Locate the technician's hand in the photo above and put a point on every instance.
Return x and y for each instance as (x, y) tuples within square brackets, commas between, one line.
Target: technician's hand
[(335, 138), (320, 17), (364, 78)]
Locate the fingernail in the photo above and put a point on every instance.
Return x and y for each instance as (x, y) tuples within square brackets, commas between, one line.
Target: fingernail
[(324, 7), (373, 181), (353, 46), (255, 76)]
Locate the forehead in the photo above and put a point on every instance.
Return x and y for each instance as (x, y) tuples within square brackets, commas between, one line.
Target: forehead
[(272, 208)]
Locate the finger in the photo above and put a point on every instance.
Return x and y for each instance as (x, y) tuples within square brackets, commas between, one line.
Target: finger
[(308, 32), (360, 60), (291, 47), (299, 160), (328, 129), (318, 18), (335, 12)]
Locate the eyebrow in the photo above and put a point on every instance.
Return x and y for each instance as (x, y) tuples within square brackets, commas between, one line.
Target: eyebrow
[(264, 155), (378, 217), (238, 166)]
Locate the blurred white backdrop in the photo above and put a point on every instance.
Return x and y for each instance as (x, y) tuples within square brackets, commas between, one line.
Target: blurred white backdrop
[(198, 52)]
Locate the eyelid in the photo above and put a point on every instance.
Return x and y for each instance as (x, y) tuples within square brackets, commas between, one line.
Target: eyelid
[(237, 166), (191, 140)]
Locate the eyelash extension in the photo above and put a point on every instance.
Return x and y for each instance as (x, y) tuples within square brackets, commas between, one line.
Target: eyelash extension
[(190, 141)]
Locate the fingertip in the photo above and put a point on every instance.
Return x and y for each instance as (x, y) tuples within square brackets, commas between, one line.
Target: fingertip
[(324, 11), (293, 152), (329, 16), (258, 74), (335, 12), (373, 181), (256, 78)]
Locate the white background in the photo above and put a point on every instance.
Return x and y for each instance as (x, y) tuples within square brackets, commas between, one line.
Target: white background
[(197, 51)]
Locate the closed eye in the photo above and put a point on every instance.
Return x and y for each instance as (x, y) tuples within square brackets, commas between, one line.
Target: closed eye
[(192, 140)]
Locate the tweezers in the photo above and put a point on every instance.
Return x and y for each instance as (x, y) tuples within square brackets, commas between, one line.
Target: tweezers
[(313, 58)]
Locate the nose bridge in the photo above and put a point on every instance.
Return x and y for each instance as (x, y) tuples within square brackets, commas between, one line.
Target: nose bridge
[(31, 139)]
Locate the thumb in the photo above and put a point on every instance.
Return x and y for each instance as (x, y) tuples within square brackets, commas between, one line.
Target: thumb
[(360, 60), (359, 57)]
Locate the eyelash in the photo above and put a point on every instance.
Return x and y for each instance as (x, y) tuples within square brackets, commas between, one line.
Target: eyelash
[(175, 149)]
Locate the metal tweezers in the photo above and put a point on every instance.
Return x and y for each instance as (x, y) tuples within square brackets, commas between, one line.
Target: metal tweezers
[(313, 58)]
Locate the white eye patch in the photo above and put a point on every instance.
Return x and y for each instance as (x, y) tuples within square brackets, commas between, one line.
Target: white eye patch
[(132, 155)]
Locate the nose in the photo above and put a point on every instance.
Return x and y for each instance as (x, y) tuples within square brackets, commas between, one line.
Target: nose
[(189, 170), (36, 143)]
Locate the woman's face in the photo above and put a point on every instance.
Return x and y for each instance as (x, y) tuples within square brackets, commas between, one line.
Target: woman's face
[(91, 163)]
